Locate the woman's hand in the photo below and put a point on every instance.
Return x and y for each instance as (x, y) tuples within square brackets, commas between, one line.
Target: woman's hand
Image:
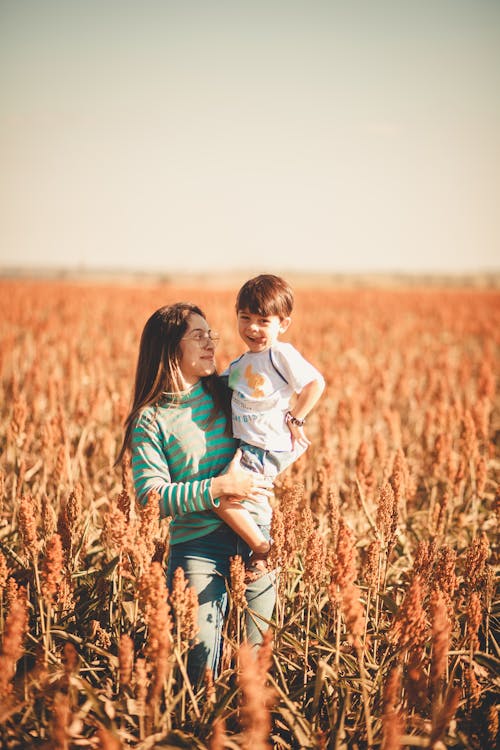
[(240, 483)]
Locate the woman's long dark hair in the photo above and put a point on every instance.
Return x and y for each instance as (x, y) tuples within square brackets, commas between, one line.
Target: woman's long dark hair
[(158, 365)]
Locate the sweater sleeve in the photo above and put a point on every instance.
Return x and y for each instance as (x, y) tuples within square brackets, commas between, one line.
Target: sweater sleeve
[(150, 470)]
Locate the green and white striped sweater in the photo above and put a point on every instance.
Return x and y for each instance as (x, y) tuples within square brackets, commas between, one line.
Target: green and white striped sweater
[(176, 454)]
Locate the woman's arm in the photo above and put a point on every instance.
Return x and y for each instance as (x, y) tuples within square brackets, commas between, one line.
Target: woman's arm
[(151, 471)]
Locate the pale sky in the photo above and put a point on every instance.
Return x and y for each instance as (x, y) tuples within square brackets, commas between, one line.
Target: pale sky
[(269, 135)]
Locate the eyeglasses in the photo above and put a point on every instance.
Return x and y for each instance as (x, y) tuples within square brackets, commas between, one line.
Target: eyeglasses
[(203, 337)]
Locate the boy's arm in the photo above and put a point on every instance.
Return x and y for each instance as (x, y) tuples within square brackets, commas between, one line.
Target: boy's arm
[(305, 401), (308, 398)]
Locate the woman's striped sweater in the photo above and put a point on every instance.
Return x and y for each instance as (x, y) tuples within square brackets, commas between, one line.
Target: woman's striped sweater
[(176, 452)]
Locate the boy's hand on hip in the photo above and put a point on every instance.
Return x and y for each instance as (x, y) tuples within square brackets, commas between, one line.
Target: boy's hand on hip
[(299, 437)]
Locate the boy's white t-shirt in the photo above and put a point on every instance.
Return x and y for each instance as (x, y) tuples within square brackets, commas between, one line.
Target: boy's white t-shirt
[(262, 384)]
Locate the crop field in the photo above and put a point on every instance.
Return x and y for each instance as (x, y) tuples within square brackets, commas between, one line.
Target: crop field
[(386, 631)]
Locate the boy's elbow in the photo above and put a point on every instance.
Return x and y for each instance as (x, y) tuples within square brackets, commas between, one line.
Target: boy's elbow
[(320, 385)]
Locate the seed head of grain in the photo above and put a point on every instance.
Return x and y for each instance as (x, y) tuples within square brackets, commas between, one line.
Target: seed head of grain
[(178, 597), (392, 731), (127, 481), (4, 572), (425, 556), (392, 689), (333, 514), (237, 581), (218, 737), (116, 531), (444, 715), (15, 631), (278, 537), (70, 659), (469, 436), (342, 564), (380, 447), (2, 494), (265, 654), (371, 565), (392, 722), (210, 693), (353, 612), (15, 430), (150, 518), (386, 509), (68, 522), (441, 455), (445, 578), (52, 568), (125, 659), (191, 620), (141, 685), (440, 513), (153, 595), (28, 527), (409, 629), (48, 518), (474, 619), (290, 503), (59, 472), (11, 591), (393, 421), (440, 639), (61, 718), (364, 470), (416, 683), (473, 689), (475, 568), (124, 504), (315, 558), (108, 740), (255, 701), (481, 475), (99, 635), (492, 724), (306, 527), (398, 475)]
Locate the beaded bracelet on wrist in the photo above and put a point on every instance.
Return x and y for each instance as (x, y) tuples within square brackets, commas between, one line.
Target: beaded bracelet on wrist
[(293, 420)]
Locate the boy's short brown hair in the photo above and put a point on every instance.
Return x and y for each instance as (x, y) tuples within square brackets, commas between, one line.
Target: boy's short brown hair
[(266, 295)]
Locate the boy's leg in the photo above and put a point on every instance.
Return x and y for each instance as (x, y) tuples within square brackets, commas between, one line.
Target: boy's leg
[(235, 515)]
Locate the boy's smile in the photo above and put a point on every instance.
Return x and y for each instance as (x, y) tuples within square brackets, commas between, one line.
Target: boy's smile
[(260, 332)]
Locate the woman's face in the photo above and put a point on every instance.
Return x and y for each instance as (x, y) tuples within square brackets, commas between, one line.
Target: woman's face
[(197, 351)]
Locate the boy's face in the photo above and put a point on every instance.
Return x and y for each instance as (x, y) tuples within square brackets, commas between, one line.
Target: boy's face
[(260, 332)]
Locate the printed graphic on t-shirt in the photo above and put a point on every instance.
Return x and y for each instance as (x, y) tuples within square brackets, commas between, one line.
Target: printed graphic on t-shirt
[(255, 382)]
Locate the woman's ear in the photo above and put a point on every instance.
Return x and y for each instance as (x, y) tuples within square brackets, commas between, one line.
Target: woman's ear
[(284, 323)]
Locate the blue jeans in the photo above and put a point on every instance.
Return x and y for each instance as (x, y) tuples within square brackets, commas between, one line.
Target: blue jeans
[(205, 562), (268, 462)]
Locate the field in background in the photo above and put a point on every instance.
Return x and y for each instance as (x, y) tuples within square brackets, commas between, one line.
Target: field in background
[(386, 531)]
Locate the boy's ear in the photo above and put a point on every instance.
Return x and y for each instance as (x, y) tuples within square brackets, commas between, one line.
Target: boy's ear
[(284, 323)]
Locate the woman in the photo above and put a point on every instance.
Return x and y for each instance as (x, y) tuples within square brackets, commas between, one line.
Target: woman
[(181, 448)]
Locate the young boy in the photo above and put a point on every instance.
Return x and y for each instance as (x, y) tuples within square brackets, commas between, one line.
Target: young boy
[(263, 380)]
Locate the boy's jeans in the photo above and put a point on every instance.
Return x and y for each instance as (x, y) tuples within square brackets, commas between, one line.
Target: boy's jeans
[(269, 463), (205, 562)]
